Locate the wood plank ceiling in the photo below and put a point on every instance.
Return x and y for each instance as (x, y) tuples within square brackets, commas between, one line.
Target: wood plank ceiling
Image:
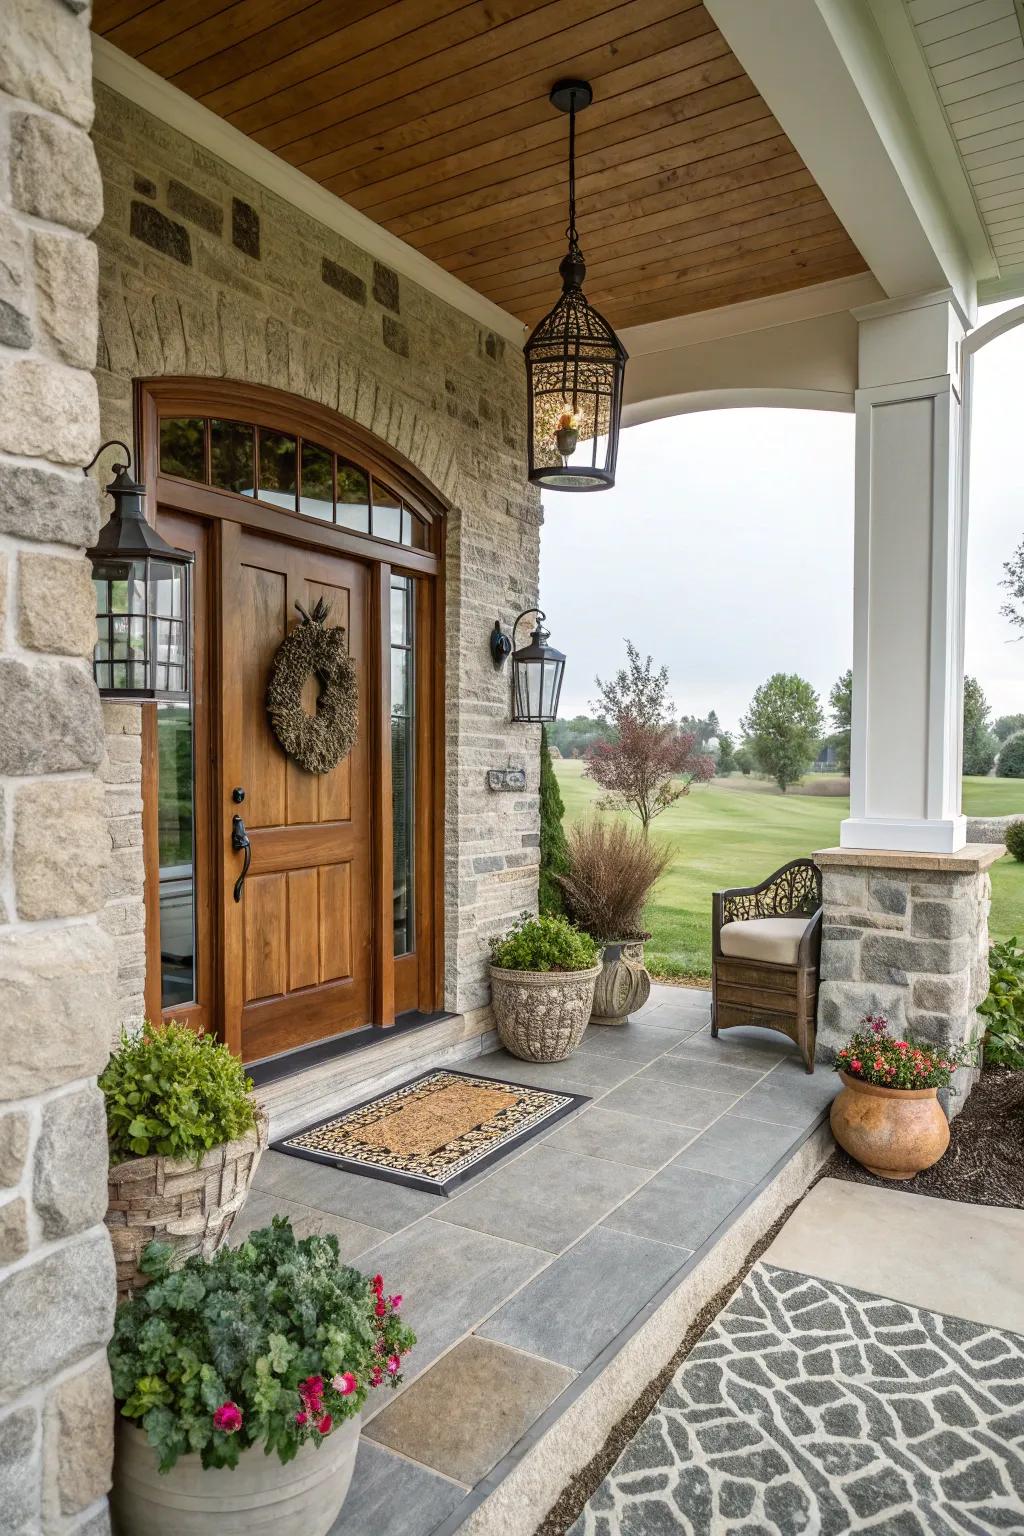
[(432, 118)]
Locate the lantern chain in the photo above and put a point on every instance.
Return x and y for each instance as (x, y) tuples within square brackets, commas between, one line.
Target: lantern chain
[(571, 232)]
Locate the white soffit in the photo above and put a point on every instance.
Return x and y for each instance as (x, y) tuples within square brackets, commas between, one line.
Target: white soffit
[(140, 85), (974, 54)]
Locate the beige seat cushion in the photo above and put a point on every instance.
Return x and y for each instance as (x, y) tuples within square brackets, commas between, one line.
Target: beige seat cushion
[(775, 939)]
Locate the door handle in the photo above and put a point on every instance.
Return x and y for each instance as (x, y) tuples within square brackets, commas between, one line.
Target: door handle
[(240, 843)]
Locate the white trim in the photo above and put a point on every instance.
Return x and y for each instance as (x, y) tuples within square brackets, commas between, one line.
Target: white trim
[(125, 75), (947, 836), (633, 414), (842, 293)]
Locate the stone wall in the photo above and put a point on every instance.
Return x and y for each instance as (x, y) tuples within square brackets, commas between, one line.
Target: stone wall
[(204, 272), (56, 962), (990, 829), (905, 935)]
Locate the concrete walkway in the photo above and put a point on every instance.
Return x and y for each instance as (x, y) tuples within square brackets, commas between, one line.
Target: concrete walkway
[(867, 1376), (526, 1282)]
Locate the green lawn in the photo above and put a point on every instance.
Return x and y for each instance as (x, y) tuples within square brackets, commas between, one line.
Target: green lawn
[(736, 831)]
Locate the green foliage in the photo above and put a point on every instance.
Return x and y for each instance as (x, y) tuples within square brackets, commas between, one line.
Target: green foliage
[(873, 1056), (544, 944), (575, 737), (783, 726), (726, 754), (1003, 1008), (841, 703), (1010, 763), (554, 859), (1007, 726), (1013, 582), (1015, 840), (979, 742), (171, 1091), (272, 1329), (744, 760)]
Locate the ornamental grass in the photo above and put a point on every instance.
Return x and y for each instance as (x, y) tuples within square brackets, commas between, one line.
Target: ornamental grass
[(613, 869)]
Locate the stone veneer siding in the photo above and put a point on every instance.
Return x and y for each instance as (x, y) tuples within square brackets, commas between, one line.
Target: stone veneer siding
[(204, 272), (57, 964), (906, 936)]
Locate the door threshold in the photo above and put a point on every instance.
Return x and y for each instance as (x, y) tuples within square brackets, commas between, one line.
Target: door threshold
[(271, 1069)]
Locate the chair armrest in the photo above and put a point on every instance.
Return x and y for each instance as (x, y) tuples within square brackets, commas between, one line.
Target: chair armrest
[(809, 953)]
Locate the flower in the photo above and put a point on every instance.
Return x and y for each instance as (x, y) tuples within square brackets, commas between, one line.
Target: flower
[(878, 1025), (394, 1365), (301, 1417), (380, 1309), (855, 1065), (378, 1283), (228, 1418), (395, 1301), (344, 1383), (377, 1376), (326, 1424), (568, 421)]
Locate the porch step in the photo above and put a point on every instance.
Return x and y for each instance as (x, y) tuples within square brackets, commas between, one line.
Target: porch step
[(330, 1086)]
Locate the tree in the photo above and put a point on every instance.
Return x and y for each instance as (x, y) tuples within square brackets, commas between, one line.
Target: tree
[(783, 727), (979, 743), (648, 764), (1013, 581), (744, 760), (554, 854), (1011, 759), (726, 753), (1007, 726), (841, 703), (703, 728), (573, 737)]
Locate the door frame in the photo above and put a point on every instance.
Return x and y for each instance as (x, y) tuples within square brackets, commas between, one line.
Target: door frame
[(219, 511)]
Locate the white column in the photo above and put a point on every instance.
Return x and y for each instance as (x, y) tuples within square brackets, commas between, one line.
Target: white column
[(905, 759)]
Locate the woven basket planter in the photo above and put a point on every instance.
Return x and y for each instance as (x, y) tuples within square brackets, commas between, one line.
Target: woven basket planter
[(541, 1015), (191, 1206)]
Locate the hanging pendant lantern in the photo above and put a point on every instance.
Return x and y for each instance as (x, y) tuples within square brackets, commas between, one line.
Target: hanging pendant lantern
[(574, 362)]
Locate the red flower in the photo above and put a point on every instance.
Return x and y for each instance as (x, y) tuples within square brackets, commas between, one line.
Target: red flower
[(301, 1417), (855, 1065), (325, 1425), (394, 1365), (344, 1383), (378, 1283), (380, 1309), (377, 1376), (228, 1418)]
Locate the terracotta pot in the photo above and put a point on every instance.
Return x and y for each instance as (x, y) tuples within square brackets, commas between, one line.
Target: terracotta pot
[(541, 1015), (190, 1205), (894, 1132), (623, 985), (260, 1494)]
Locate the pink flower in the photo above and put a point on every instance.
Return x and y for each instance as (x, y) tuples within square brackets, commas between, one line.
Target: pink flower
[(377, 1376), (344, 1383), (396, 1302), (855, 1065), (879, 1063), (326, 1424), (394, 1365), (301, 1417), (878, 1025), (228, 1417), (313, 1386)]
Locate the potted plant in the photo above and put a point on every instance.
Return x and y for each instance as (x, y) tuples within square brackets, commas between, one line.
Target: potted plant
[(567, 433), (185, 1137), (888, 1115), (612, 871), (240, 1380), (542, 987)]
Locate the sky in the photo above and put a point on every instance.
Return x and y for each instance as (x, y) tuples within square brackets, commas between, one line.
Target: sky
[(725, 550)]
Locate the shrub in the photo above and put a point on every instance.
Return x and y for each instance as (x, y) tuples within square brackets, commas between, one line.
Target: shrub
[(744, 760), (171, 1091), (1003, 1008), (873, 1056), (1010, 762), (544, 944), (273, 1343), (1015, 840), (553, 854), (612, 871)]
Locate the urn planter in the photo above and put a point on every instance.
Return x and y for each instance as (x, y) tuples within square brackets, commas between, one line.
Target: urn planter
[(893, 1132), (260, 1494), (189, 1205), (541, 1015), (623, 986)]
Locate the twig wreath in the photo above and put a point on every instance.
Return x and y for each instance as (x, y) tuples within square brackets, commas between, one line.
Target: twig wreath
[(318, 741)]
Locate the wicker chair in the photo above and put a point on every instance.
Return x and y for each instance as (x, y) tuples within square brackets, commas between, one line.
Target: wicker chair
[(765, 949)]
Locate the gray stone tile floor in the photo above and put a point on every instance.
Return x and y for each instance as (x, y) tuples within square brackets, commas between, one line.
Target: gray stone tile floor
[(553, 1251)]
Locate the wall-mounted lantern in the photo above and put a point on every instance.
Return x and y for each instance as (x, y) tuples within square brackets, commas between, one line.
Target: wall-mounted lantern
[(536, 671), (142, 600), (575, 363)]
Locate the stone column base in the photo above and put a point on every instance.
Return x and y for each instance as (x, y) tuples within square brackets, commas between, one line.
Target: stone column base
[(905, 934)]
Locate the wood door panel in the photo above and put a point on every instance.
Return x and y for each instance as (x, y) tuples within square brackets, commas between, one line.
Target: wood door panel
[(303, 929), (266, 927), (264, 599), (336, 937)]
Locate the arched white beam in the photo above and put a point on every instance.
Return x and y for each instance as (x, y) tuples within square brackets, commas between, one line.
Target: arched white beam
[(736, 399)]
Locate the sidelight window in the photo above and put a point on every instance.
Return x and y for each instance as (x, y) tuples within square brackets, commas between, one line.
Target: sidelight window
[(403, 761), (176, 834)]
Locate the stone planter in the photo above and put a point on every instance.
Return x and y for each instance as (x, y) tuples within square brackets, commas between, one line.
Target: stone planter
[(893, 1132), (623, 985), (541, 1015), (260, 1494), (190, 1206)]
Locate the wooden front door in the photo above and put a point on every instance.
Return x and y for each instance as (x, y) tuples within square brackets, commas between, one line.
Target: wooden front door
[(297, 945)]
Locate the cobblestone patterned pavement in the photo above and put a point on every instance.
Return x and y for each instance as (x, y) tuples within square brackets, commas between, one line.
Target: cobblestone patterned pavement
[(812, 1409)]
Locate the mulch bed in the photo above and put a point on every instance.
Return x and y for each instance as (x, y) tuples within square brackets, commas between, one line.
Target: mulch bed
[(985, 1161)]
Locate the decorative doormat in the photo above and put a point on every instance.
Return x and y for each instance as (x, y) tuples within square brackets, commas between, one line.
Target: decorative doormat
[(433, 1132)]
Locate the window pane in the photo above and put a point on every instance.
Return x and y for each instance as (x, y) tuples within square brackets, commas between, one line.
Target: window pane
[(420, 533), (175, 832), (403, 782), (317, 498), (183, 447), (278, 465), (231, 463), (353, 510), (387, 513)]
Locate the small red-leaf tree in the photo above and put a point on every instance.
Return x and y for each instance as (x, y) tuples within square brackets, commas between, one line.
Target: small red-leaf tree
[(648, 763)]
